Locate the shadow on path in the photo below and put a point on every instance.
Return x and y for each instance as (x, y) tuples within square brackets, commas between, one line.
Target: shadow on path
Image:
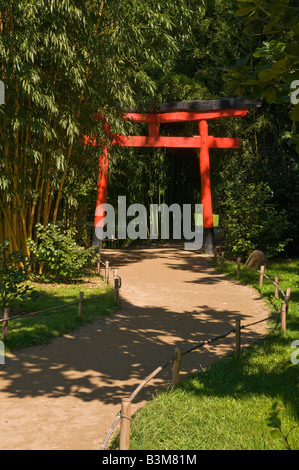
[(171, 298)]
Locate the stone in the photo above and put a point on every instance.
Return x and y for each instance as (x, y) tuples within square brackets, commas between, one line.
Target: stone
[(256, 260)]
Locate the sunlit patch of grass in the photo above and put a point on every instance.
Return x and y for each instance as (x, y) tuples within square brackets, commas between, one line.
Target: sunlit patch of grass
[(43, 327)]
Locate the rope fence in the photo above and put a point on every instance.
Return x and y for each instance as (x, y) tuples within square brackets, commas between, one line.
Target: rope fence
[(262, 274), (116, 287), (124, 415)]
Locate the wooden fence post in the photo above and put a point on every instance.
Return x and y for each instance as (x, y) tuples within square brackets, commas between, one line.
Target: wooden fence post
[(107, 271), (80, 305), (5, 323), (115, 286), (222, 259), (176, 367), (238, 267), (124, 441), (276, 280), (283, 317), (262, 269), (238, 337), (98, 266), (288, 295)]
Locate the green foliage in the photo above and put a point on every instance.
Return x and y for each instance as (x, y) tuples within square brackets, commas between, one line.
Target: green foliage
[(58, 254), (266, 156), (275, 60), (250, 221), (63, 62), (271, 65), (14, 269), (274, 423)]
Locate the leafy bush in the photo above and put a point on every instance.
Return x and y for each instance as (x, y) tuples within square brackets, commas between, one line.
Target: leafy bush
[(250, 221), (274, 423), (58, 255), (14, 268)]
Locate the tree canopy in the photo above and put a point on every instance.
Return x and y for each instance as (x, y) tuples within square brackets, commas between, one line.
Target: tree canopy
[(270, 69)]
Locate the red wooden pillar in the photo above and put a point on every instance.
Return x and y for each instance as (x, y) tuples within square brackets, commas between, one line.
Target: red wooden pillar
[(206, 196), (101, 191)]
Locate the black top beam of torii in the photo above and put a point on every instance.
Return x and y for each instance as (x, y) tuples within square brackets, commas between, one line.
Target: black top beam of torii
[(203, 105)]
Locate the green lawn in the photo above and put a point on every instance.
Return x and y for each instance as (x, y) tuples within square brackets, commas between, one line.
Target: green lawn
[(225, 407), (42, 328)]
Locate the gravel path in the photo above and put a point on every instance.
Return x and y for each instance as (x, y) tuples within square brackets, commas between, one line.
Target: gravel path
[(65, 395)]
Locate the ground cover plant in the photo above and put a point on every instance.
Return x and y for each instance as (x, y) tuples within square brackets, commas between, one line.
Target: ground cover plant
[(249, 403)]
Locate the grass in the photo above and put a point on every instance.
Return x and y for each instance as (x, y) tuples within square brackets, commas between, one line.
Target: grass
[(287, 271), (225, 406), (43, 327)]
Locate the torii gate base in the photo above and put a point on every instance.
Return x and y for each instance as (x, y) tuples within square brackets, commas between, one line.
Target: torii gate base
[(198, 110)]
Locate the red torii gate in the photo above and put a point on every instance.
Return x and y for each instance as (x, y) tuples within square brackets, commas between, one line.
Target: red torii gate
[(197, 110)]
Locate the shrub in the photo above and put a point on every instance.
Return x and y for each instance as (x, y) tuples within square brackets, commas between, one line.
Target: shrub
[(58, 255), (250, 221)]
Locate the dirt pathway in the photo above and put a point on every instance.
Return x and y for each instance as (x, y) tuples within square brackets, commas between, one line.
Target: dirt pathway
[(65, 395)]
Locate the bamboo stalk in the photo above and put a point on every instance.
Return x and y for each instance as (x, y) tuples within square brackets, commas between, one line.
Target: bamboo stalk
[(23, 223), (41, 189), (59, 195), (9, 227), (46, 203), (15, 179), (38, 188)]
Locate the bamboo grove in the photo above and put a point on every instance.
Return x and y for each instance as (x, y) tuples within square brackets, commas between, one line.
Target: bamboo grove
[(61, 61)]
